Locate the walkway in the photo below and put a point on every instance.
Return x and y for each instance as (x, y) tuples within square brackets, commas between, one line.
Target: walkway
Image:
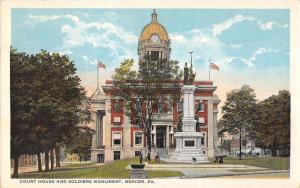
[(216, 170)]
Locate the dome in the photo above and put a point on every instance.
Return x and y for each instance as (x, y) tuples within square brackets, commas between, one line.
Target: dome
[(154, 28)]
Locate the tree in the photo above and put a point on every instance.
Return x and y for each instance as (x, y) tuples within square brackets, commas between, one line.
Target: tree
[(238, 112), (142, 91), (21, 82), (226, 145), (81, 144), (60, 105), (272, 129), (46, 103)]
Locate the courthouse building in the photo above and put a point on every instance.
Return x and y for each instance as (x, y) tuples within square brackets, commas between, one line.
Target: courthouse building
[(116, 138)]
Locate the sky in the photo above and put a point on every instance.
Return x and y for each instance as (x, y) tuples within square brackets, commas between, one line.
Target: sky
[(251, 46)]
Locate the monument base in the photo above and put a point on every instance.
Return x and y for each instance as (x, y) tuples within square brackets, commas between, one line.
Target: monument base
[(189, 148)]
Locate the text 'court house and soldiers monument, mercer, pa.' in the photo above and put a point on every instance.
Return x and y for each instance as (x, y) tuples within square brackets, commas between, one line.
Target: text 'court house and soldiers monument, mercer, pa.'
[(116, 137)]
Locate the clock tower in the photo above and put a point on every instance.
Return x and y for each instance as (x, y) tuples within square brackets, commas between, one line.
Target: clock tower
[(154, 41)]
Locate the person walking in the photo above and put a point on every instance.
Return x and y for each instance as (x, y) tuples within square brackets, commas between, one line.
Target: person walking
[(141, 156)]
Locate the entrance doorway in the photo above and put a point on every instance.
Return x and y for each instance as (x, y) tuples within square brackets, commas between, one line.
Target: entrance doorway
[(160, 137), (100, 158)]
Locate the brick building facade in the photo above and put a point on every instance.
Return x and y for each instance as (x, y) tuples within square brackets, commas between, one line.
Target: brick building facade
[(116, 137)]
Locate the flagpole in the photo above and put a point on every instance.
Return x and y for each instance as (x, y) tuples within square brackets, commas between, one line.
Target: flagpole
[(97, 74), (209, 72), (209, 69)]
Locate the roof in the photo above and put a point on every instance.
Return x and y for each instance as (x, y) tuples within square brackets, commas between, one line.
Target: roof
[(154, 28)]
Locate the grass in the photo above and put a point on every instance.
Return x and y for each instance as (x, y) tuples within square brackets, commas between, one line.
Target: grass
[(78, 165), (163, 173), (153, 162), (246, 170), (275, 163), (111, 170)]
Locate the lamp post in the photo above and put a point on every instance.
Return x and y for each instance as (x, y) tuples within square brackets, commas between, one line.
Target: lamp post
[(240, 141)]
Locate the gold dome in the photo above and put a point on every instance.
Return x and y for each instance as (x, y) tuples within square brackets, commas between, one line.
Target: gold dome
[(154, 28)]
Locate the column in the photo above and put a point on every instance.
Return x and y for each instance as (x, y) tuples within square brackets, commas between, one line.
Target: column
[(172, 136), (167, 137), (210, 132), (192, 104), (101, 130), (185, 105), (127, 132), (154, 141), (97, 130), (189, 101), (216, 138)]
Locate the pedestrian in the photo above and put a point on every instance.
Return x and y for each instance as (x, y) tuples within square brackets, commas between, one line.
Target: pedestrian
[(141, 157), (148, 157), (157, 159)]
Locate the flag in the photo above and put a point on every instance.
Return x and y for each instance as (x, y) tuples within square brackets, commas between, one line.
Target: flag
[(214, 66), (101, 65)]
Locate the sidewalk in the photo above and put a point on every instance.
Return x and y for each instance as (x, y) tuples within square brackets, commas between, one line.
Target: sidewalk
[(217, 170)]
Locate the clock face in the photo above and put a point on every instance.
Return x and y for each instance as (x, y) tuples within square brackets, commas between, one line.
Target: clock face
[(155, 38)]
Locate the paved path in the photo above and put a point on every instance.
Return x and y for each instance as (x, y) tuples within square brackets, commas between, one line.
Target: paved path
[(259, 175), (218, 166), (218, 170), (201, 170)]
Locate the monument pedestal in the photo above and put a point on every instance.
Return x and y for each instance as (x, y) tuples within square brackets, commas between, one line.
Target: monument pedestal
[(188, 142), (137, 171), (188, 148)]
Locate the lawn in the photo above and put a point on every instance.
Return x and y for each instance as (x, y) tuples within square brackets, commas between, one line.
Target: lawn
[(275, 163), (77, 165), (112, 170)]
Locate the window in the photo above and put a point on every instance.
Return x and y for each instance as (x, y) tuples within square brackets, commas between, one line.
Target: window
[(117, 106), (160, 108), (202, 141), (154, 55), (100, 158), (152, 139), (138, 138), (137, 153), (169, 108), (117, 139), (200, 106), (180, 106), (117, 155)]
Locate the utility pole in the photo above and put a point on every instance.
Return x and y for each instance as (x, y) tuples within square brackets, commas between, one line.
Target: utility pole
[(240, 143)]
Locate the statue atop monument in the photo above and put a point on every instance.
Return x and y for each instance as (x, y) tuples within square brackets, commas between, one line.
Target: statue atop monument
[(186, 74), (189, 75)]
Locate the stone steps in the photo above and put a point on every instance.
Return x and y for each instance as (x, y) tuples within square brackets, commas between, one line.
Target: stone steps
[(162, 152)]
